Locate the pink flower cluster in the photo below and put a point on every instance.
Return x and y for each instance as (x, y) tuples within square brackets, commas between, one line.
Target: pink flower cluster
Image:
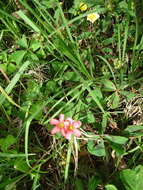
[(66, 127)]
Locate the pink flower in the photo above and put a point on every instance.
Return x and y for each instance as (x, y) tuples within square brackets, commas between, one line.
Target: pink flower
[(59, 125), (72, 128), (66, 127)]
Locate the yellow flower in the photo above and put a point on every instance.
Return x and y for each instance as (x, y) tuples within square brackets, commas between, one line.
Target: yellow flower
[(83, 7), (61, 3), (92, 17)]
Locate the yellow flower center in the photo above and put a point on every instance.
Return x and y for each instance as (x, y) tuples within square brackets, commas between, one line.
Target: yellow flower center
[(61, 125), (71, 127)]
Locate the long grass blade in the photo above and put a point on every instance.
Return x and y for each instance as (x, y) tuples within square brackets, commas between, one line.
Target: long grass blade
[(28, 21), (14, 80), (8, 97)]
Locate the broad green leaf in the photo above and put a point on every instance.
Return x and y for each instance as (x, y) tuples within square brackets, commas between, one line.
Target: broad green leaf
[(11, 68), (120, 150), (57, 66), (104, 121), (129, 95), (51, 87), (123, 5), (17, 56), (32, 56), (41, 53), (97, 92), (35, 44), (95, 98), (33, 90), (96, 149), (116, 139), (5, 143), (108, 41), (116, 101), (108, 85), (34, 107), (3, 67), (89, 118), (134, 128), (139, 176), (72, 76), (128, 179), (110, 187), (132, 178), (113, 101), (107, 50), (23, 42)]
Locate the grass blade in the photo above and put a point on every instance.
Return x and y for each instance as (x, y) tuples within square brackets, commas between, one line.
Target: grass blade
[(28, 21), (94, 97), (14, 81), (8, 97)]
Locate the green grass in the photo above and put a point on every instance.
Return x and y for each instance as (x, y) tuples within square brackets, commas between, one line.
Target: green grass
[(53, 61)]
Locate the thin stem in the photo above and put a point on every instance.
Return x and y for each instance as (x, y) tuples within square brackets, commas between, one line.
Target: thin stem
[(119, 41), (134, 48), (68, 159), (125, 40)]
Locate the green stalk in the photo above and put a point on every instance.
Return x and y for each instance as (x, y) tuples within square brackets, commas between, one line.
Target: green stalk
[(133, 64), (125, 40), (119, 41), (68, 159)]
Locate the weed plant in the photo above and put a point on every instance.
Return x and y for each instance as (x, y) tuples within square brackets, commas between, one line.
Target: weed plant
[(82, 59)]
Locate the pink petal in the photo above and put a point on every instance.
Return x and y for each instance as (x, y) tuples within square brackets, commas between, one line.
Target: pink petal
[(68, 135), (61, 118), (63, 132), (77, 124), (70, 120), (77, 132), (66, 124), (55, 130), (54, 122)]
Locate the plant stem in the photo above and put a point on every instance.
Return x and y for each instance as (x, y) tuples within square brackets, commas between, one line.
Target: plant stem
[(68, 159)]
